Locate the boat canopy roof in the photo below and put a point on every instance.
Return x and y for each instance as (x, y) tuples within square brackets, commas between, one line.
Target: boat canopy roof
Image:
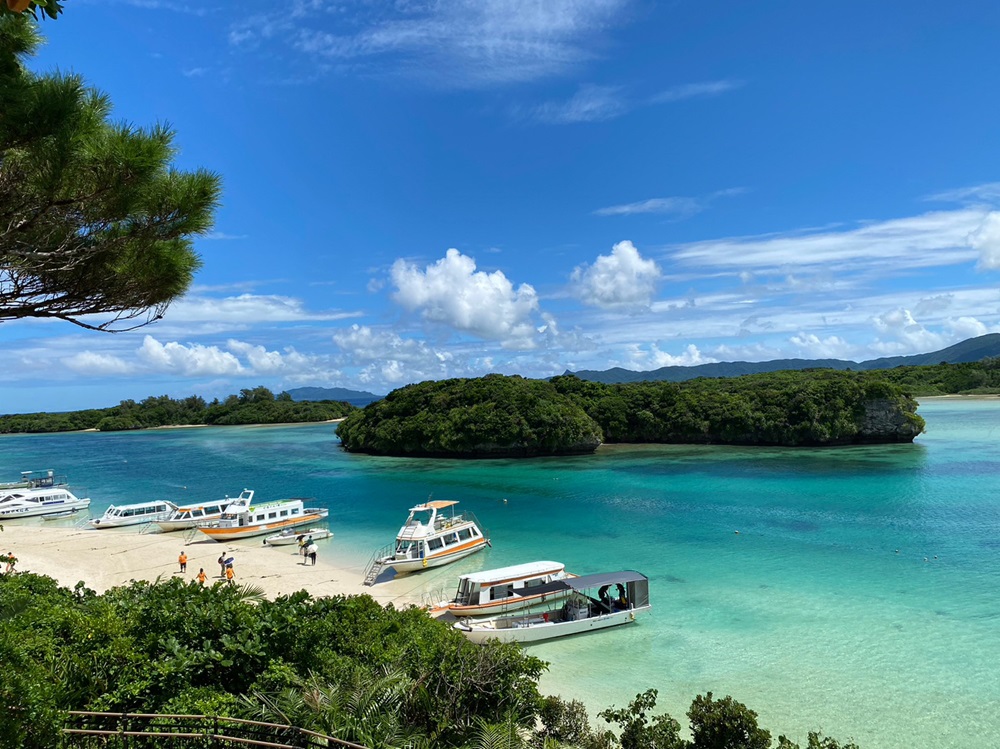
[(436, 504), (514, 571), (604, 578)]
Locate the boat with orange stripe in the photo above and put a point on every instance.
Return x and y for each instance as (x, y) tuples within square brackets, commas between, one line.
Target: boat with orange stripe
[(430, 538), (244, 518)]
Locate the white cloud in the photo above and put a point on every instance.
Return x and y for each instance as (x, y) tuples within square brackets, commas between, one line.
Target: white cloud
[(454, 43), (679, 206), (264, 362), (968, 327), (193, 360), (622, 280), (93, 364), (985, 240), (386, 357), (693, 90), (906, 335), (928, 240), (988, 193), (588, 104), (245, 309), (811, 346), (452, 292)]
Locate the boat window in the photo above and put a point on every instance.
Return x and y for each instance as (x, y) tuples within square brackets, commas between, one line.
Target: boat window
[(450, 539), (434, 544), (533, 582), (272, 515), (501, 591), (295, 510), (475, 531), (465, 534), (284, 513)]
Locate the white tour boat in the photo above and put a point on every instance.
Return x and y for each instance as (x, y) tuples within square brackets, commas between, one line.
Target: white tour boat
[(582, 612), (292, 535), (519, 586), (192, 515), (429, 538), (242, 519), (134, 514), (38, 495)]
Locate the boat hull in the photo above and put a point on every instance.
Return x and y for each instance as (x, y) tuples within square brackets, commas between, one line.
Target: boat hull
[(402, 566), (493, 608), (246, 531), (64, 507), (287, 539), (537, 628)]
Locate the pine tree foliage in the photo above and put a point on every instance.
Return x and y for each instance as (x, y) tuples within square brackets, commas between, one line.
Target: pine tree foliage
[(96, 225)]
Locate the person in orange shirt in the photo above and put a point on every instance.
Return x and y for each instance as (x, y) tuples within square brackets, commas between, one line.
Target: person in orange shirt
[(182, 560), (230, 575), (202, 577)]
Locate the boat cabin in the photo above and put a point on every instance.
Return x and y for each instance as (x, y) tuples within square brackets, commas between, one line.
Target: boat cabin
[(507, 583)]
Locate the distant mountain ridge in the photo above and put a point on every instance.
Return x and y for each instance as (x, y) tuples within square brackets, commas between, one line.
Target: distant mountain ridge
[(971, 350), (358, 398)]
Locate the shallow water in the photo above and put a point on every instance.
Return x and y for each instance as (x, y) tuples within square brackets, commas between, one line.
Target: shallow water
[(859, 596)]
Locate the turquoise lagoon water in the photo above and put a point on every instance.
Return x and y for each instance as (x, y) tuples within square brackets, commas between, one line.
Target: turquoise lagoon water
[(860, 596)]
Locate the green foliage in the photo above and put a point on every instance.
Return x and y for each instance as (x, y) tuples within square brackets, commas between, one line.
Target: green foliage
[(94, 218), (725, 724), (639, 732), (511, 416), (256, 406), (492, 416)]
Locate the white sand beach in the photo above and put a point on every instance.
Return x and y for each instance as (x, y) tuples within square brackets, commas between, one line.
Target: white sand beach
[(106, 558)]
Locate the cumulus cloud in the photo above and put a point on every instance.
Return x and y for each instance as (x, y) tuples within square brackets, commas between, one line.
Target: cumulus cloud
[(905, 335), (385, 356), (189, 360), (265, 362), (642, 358), (97, 365), (452, 292), (985, 240), (622, 280), (811, 346)]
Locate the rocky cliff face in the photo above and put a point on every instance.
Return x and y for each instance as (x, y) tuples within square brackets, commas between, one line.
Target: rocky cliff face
[(886, 420)]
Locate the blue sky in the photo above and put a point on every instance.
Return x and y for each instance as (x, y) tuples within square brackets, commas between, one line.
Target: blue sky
[(419, 190)]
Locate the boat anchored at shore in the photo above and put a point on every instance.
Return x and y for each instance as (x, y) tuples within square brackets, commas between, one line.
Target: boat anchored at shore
[(429, 538), (193, 515), (291, 536), (519, 586), (35, 496), (242, 519), (134, 514), (582, 612)]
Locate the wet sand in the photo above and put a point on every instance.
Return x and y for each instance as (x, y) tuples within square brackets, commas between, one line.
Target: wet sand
[(106, 558)]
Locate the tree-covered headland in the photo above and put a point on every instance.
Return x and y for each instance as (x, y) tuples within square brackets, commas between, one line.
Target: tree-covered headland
[(341, 666), (252, 406), (500, 416)]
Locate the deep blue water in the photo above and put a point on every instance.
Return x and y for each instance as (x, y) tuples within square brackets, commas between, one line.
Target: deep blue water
[(859, 596)]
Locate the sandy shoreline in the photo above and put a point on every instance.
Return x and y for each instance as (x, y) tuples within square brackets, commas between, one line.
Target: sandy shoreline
[(103, 559)]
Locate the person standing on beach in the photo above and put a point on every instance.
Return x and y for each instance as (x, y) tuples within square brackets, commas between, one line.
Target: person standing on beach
[(11, 561), (311, 550), (222, 565), (182, 560), (230, 574), (202, 577)]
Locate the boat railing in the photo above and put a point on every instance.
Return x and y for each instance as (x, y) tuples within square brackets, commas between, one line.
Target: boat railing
[(374, 566), (471, 518)]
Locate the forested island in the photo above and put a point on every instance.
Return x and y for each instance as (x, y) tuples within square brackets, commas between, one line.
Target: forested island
[(342, 666), (501, 416), (252, 406)]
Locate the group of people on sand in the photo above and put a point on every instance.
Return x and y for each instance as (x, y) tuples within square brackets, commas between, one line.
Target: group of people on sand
[(307, 548), (225, 568)]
